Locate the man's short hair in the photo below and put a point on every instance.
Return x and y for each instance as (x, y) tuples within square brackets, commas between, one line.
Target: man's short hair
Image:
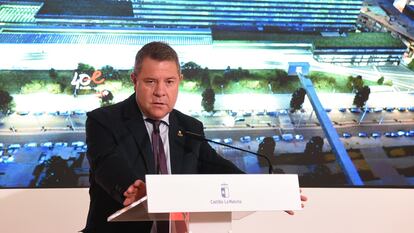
[(158, 51)]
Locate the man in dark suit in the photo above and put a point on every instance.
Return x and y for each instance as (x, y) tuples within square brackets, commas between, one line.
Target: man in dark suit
[(119, 139)]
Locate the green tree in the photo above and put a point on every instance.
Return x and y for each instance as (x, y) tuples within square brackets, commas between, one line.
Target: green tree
[(191, 70), (411, 65), (6, 102), (298, 97), (314, 146), (205, 78), (58, 174), (85, 68), (230, 74), (53, 74), (209, 97), (282, 77), (362, 96), (106, 98), (267, 149), (380, 81), (108, 72), (219, 81), (358, 82), (388, 83), (349, 83), (355, 83)]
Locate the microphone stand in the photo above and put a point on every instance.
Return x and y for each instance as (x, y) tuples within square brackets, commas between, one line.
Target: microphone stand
[(202, 138)]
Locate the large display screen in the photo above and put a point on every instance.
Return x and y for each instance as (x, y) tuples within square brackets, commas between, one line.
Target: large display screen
[(323, 89)]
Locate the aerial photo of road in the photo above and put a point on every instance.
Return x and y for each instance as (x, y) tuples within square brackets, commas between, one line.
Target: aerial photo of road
[(53, 68)]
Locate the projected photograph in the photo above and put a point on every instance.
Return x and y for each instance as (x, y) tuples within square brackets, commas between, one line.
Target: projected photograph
[(323, 89)]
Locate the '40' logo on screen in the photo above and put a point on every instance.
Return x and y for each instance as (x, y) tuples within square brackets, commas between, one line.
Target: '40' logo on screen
[(82, 81)]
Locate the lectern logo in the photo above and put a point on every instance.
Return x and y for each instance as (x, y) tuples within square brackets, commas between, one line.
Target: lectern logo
[(225, 191)]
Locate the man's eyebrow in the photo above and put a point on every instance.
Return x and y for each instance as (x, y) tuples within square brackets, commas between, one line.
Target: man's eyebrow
[(149, 78)]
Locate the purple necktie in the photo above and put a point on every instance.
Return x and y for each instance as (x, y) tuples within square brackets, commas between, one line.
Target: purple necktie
[(158, 148), (160, 164)]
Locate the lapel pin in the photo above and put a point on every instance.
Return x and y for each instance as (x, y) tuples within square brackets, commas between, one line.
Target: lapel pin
[(180, 134)]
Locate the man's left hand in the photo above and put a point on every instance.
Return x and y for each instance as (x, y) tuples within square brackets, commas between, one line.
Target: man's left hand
[(303, 198)]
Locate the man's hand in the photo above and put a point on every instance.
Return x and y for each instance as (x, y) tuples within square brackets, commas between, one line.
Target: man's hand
[(135, 191), (303, 198)]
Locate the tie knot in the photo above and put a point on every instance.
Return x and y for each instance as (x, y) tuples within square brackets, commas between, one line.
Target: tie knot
[(155, 124)]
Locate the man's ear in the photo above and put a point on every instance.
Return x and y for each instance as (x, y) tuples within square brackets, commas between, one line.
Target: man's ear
[(133, 78)]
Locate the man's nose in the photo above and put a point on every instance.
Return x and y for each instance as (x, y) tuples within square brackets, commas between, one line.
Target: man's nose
[(159, 89)]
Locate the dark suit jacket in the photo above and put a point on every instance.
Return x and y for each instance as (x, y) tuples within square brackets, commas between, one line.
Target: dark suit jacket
[(119, 152)]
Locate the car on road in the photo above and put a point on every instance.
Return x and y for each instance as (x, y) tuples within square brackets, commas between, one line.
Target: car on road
[(61, 144), (53, 113), (30, 145), (367, 110), (401, 109), (239, 120), (362, 134), (409, 133), (23, 113), (247, 114), (377, 110), (389, 109), (14, 146), (299, 137), (232, 113), (390, 134), (260, 113), (342, 109), (64, 113), (207, 114), (260, 139), (46, 145), (245, 139), (287, 137), (219, 114), (79, 112), (6, 159), (272, 113), (328, 109), (42, 158), (276, 138), (216, 140), (38, 113), (195, 114), (283, 112), (376, 134), (346, 135), (77, 144), (411, 109), (355, 110), (400, 133), (228, 140)]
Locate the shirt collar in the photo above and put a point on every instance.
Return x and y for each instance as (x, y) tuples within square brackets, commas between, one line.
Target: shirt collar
[(165, 119)]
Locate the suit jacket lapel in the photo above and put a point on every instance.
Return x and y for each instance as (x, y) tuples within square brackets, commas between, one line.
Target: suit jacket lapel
[(177, 143), (134, 122)]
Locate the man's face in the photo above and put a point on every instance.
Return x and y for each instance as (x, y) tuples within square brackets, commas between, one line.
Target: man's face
[(156, 87)]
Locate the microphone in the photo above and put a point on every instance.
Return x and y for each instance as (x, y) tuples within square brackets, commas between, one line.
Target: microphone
[(202, 138)]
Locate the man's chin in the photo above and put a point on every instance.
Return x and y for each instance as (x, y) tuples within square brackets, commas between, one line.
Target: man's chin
[(158, 115)]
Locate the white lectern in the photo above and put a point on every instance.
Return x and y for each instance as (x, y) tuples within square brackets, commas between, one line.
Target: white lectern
[(209, 203)]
